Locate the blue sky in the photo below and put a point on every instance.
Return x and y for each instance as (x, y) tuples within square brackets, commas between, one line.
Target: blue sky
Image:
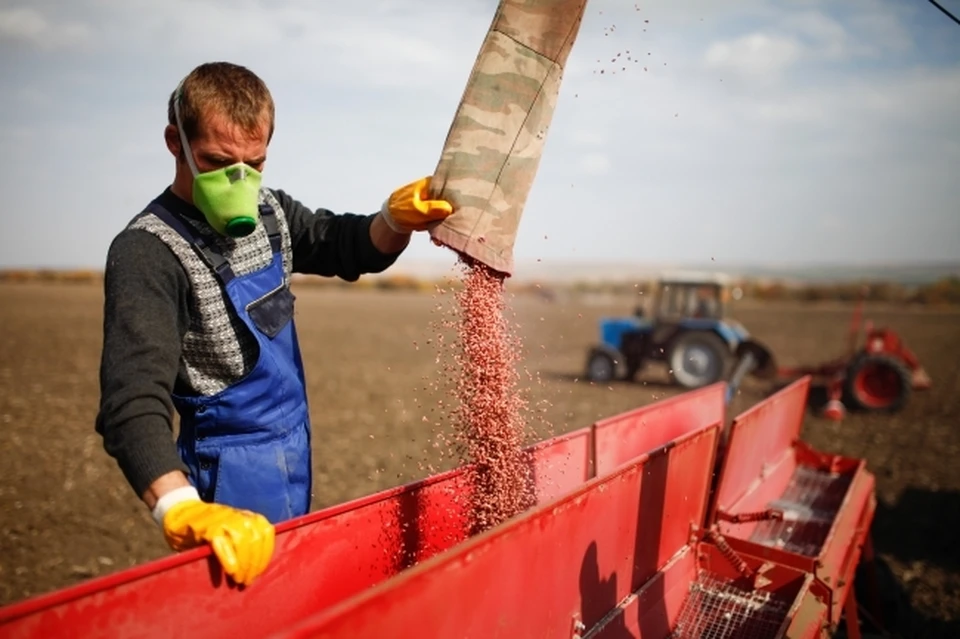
[(761, 132)]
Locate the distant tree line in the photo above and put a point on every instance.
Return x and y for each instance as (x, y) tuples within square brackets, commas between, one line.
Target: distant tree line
[(944, 292), (51, 275)]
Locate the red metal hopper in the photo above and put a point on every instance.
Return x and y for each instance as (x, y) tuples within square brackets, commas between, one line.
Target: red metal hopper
[(619, 544), (780, 499), (337, 552), (320, 559), (614, 558)]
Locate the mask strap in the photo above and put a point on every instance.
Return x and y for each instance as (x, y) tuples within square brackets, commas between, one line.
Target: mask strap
[(183, 135)]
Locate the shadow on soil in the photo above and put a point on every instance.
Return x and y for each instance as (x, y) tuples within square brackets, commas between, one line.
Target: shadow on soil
[(920, 528)]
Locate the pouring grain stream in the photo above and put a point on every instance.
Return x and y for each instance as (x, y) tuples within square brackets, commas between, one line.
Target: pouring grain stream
[(487, 167)]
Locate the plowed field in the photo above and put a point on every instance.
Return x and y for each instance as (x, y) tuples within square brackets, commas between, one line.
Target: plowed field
[(67, 514)]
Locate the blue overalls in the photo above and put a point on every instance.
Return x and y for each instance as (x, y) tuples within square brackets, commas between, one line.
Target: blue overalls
[(248, 446)]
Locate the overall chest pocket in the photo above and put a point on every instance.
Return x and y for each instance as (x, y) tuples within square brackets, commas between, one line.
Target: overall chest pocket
[(271, 477), (272, 312)]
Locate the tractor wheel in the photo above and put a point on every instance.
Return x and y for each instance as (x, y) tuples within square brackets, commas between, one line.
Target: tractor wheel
[(698, 359), (878, 383), (601, 367)]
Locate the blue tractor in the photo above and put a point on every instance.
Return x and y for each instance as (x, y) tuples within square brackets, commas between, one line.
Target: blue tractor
[(687, 330)]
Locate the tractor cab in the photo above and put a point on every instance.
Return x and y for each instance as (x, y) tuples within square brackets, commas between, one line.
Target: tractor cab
[(691, 298), (685, 327)]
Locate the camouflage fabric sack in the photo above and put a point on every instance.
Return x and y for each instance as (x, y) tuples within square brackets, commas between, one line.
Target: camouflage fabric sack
[(494, 145)]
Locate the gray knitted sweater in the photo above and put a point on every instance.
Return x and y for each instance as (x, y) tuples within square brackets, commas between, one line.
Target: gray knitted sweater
[(168, 325)]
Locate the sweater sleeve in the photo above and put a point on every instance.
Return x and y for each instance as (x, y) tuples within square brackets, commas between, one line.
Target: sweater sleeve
[(145, 315), (332, 245)]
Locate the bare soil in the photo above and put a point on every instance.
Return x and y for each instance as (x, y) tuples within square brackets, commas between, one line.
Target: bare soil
[(68, 515)]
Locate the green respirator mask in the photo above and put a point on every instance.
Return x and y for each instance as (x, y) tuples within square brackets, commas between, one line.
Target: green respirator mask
[(228, 197)]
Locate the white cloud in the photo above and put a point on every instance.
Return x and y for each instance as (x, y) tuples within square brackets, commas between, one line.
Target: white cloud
[(811, 36), (825, 36), (402, 44), (754, 54), (27, 25), (595, 164), (16, 134), (754, 124), (588, 137), (33, 97), (832, 223), (793, 109), (392, 57), (883, 29)]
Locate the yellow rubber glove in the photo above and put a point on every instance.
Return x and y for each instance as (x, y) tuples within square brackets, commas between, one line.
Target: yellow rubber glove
[(408, 209), (242, 540)]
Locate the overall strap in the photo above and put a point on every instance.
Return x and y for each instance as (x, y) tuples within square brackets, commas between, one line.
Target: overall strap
[(208, 253), (269, 217), (221, 267)]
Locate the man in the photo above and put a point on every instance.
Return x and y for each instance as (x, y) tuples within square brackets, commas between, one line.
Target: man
[(705, 302), (198, 316)]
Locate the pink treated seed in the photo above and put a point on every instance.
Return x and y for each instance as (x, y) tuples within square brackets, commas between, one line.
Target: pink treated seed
[(489, 418)]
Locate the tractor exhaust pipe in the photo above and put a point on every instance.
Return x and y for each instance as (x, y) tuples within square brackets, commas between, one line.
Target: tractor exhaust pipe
[(744, 367), (753, 358)]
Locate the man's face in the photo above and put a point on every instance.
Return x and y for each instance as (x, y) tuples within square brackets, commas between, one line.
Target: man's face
[(219, 143)]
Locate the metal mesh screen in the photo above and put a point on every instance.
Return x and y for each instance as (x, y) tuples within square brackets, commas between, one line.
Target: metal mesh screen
[(716, 609), (810, 504)]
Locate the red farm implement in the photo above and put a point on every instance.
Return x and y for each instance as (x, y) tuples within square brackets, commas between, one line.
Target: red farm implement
[(805, 509), (878, 375), (628, 538)]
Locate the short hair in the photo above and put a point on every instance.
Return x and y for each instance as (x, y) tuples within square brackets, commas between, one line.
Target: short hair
[(226, 88)]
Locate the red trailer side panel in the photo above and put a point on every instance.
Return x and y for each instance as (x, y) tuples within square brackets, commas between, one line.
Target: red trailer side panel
[(760, 439), (621, 438), (559, 564), (319, 560)]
